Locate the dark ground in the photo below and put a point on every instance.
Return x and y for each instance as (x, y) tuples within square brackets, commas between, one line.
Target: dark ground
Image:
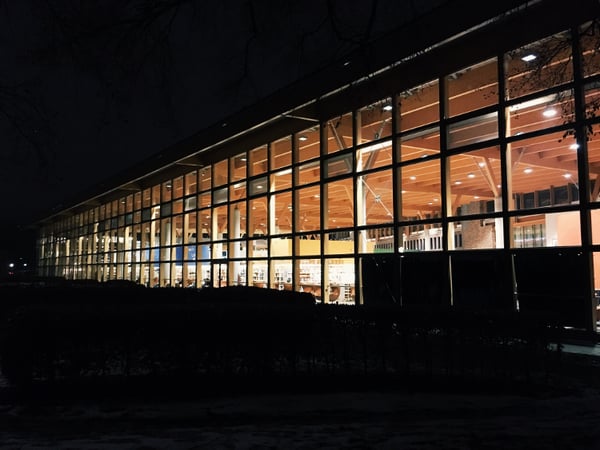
[(438, 414)]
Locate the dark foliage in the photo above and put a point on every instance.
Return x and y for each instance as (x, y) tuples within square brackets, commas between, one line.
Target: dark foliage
[(53, 335)]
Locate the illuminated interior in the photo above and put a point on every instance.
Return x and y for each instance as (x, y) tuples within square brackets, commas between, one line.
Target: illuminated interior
[(503, 153)]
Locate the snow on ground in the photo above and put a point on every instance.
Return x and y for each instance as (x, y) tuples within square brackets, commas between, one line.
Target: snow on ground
[(346, 420), (361, 419)]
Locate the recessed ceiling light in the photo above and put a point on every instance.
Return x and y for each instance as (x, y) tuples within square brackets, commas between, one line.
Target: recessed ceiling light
[(529, 57), (567, 175), (528, 170), (458, 182), (387, 107), (476, 197), (549, 112), (481, 164), (302, 138), (471, 175), (574, 146), (413, 178)]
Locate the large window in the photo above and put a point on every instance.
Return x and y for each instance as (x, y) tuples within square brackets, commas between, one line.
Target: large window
[(472, 88), (490, 155), (539, 65)]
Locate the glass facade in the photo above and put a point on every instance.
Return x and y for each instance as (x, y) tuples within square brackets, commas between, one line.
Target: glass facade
[(500, 155)]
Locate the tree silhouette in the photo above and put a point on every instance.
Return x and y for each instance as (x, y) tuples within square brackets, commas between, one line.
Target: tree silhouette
[(182, 64), (552, 67), (130, 46)]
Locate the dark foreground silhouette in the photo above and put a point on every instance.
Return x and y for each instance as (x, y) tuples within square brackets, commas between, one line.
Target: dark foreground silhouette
[(256, 339)]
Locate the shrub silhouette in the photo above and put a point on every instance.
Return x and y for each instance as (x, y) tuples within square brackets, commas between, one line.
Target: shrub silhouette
[(53, 335)]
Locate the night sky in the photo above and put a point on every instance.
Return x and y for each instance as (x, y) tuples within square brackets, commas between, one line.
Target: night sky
[(89, 89)]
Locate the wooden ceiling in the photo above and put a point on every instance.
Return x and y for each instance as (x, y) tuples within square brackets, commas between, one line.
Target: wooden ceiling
[(534, 164)]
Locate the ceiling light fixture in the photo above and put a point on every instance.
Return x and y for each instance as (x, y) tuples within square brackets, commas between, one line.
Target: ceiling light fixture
[(302, 138), (387, 107), (529, 57), (528, 170), (549, 112), (574, 146), (471, 175)]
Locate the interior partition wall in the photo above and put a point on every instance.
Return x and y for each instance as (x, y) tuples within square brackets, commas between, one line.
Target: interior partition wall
[(465, 189)]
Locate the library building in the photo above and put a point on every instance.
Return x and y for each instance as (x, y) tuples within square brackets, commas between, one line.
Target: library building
[(453, 164)]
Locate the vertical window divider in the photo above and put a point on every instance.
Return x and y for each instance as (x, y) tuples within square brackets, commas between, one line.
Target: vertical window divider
[(502, 128), (583, 177), (443, 108), (395, 180), (443, 176), (323, 205), (294, 225), (355, 232)]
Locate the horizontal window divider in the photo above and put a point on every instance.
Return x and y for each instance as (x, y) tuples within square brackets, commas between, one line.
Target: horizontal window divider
[(487, 111), (539, 94)]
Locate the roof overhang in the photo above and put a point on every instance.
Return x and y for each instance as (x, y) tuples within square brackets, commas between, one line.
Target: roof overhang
[(366, 75)]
